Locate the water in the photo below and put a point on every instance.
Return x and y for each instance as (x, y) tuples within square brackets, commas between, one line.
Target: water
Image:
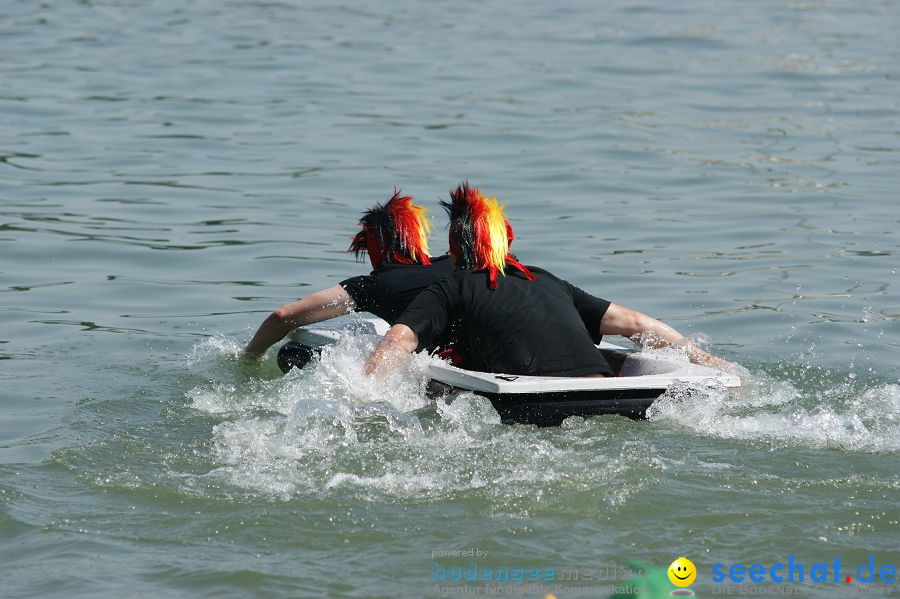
[(171, 172)]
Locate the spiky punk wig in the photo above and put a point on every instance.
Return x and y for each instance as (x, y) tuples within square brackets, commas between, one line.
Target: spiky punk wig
[(479, 234), (395, 233)]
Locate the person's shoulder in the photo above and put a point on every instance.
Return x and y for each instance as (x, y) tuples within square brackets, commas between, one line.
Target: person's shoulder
[(534, 269), (361, 289), (538, 271), (546, 277), (358, 280)]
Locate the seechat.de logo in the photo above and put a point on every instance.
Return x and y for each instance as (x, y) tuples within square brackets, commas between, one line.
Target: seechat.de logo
[(794, 571)]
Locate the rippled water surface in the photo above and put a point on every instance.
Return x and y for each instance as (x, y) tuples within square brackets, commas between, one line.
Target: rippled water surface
[(171, 172)]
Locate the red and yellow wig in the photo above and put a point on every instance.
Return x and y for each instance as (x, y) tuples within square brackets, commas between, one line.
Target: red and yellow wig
[(479, 234), (396, 233)]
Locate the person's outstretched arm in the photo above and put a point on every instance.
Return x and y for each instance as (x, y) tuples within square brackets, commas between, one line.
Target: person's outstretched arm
[(646, 331), (391, 351), (317, 307)]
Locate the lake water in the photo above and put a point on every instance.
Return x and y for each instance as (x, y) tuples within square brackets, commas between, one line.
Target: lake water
[(171, 172)]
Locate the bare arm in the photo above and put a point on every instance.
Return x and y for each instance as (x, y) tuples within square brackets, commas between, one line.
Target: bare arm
[(317, 307), (649, 332), (388, 355)]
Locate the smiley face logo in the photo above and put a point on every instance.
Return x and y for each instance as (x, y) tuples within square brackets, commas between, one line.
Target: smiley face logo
[(682, 572)]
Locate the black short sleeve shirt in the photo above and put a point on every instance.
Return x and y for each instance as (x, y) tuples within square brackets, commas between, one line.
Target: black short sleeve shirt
[(543, 327), (388, 290)]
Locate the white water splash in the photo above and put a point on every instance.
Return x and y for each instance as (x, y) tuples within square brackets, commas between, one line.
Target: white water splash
[(775, 411), (280, 432), (217, 345), (330, 430)]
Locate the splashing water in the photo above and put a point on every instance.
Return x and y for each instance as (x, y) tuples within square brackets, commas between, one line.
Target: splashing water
[(284, 434), (840, 415), (330, 430), (217, 345)]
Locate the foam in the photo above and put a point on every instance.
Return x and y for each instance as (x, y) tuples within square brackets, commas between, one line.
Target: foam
[(330, 430), (216, 345), (774, 411)]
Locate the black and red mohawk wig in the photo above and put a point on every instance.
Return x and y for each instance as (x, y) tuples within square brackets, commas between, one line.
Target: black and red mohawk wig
[(480, 236), (396, 233)]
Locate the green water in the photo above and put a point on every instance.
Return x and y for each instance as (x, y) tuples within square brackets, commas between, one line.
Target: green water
[(171, 172)]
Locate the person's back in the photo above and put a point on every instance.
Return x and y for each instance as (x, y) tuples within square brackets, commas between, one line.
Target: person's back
[(542, 327)]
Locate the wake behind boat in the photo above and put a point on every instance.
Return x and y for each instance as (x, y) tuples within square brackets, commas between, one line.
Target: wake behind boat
[(641, 377)]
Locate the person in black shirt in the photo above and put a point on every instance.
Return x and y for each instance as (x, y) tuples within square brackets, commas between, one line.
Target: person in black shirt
[(525, 326), (528, 323), (395, 238)]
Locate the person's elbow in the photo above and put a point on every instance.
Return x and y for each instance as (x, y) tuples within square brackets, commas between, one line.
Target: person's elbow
[(280, 315), (281, 321)]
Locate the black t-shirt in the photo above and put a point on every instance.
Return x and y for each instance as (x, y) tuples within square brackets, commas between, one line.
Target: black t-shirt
[(388, 290), (543, 327)]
